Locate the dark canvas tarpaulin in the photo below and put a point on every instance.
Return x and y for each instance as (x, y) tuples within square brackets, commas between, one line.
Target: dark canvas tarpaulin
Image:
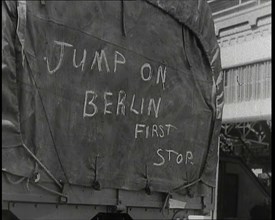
[(124, 94)]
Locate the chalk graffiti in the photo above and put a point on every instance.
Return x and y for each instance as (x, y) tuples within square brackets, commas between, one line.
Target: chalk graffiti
[(177, 157), (122, 103), (99, 58), (91, 108), (62, 49), (146, 131)]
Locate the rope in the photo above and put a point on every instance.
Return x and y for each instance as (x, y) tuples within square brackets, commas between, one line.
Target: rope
[(186, 186), (20, 32), (51, 191), (51, 134), (20, 180), (42, 165)]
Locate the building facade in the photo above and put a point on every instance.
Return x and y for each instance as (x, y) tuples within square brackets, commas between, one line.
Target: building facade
[(243, 29)]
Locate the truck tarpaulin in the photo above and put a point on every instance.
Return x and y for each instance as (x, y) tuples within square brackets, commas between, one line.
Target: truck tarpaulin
[(112, 94)]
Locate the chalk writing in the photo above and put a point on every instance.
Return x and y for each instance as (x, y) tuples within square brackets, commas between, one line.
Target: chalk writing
[(155, 107), (62, 49), (91, 104), (162, 74), (82, 62), (147, 75), (107, 103), (117, 61), (99, 59), (142, 130), (120, 103), (173, 155), (148, 66)]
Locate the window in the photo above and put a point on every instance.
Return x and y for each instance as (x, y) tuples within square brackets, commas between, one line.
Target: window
[(247, 83), (220, 5)]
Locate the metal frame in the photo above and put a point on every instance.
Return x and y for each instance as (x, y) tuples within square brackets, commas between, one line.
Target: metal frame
[(249, 140), (251, 132), (86, 202)]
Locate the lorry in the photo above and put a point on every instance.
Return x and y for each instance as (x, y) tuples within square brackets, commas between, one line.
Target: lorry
[(110, 110)]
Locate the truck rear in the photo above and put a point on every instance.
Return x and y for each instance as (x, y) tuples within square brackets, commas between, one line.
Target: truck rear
[(110, 109)]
